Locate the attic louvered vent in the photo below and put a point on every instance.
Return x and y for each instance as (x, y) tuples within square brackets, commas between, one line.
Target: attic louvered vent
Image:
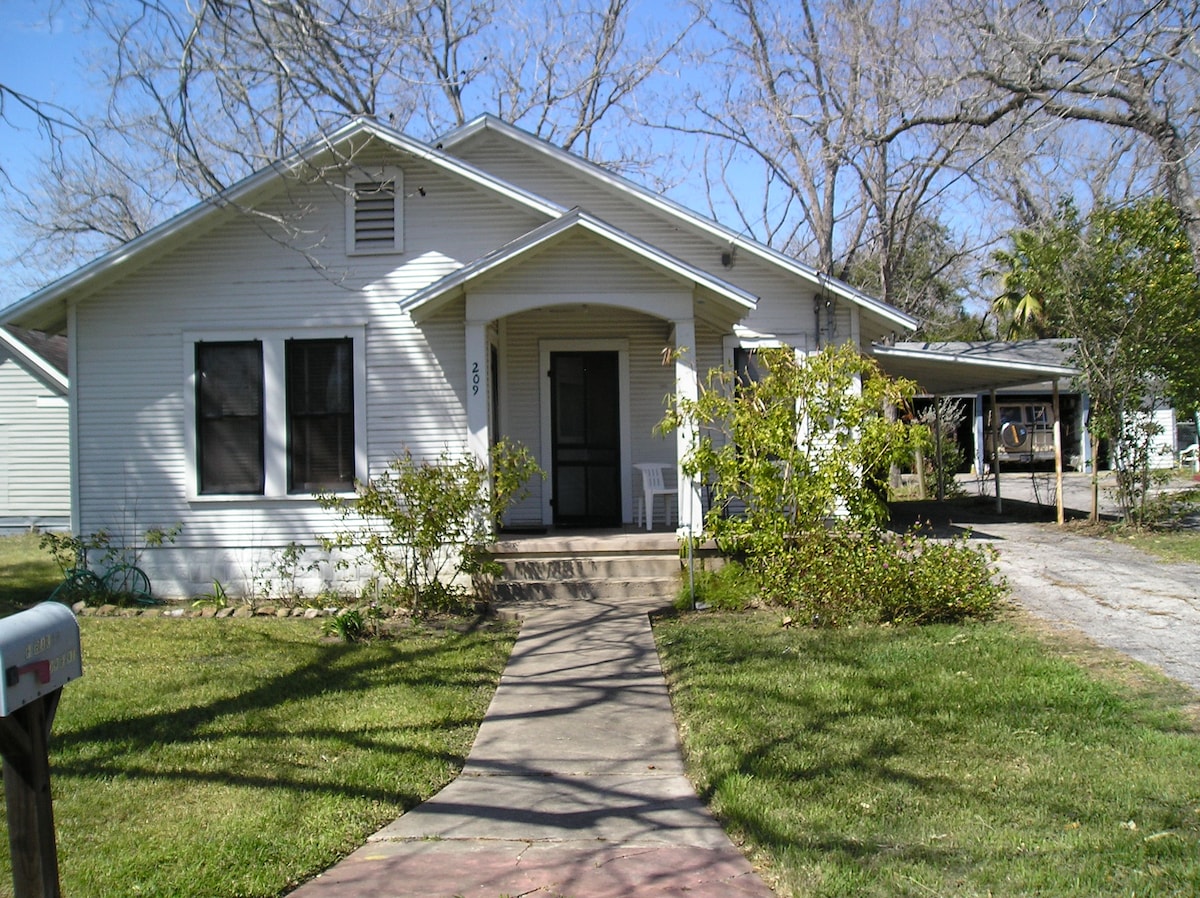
[(373, 214)]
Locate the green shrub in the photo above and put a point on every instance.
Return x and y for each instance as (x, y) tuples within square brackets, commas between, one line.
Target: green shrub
[(833, 578), (424, 524), (728, 588), (804, 441)]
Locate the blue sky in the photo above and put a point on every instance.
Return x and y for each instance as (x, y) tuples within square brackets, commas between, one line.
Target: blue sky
[(45, 53)]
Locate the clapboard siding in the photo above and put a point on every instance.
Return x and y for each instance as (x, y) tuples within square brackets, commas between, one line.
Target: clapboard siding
[(34, 448), (785, 309), (135, 352)]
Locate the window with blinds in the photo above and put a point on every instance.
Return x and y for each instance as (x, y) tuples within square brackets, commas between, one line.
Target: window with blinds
[(320, 413)]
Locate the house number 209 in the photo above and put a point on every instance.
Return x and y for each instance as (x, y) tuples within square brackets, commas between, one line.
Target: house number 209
[(475, 378)]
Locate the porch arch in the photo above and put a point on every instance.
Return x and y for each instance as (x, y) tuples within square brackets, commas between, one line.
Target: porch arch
[(674, 309)]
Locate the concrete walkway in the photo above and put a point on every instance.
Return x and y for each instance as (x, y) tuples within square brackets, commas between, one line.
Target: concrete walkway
[(574, 788)]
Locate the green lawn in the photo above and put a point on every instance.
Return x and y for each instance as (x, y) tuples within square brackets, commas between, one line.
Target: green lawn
[(27, 574), (944, 760), (1169, 545), (237, 758)]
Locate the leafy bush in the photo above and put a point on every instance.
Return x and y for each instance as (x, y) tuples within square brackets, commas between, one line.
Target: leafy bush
[(833, 577), (805, 442), (426, 524)]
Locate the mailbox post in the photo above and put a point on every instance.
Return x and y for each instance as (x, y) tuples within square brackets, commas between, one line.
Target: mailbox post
[(39, 653)]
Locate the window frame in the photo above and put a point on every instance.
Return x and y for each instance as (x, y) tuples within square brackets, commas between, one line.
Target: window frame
[(380, 175), (275, 406)]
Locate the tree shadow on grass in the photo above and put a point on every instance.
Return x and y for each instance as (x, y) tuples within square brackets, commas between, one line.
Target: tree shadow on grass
[(119, 746)]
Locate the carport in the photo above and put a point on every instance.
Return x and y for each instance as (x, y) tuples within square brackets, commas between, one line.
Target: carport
[(953, 368)]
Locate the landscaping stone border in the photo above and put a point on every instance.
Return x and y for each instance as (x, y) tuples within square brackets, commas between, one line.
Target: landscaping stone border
[(177, 610)]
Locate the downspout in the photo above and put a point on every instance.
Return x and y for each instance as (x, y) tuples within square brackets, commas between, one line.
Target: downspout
[(73, 416)]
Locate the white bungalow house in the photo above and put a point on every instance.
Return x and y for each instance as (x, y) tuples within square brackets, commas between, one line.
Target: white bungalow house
[(375, 293), (35, 459)]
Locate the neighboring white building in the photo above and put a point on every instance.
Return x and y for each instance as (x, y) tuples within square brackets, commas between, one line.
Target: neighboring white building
[(376, 293), (35, 457)]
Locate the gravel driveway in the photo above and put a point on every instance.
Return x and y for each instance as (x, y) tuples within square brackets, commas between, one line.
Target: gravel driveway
[(1117, 595)]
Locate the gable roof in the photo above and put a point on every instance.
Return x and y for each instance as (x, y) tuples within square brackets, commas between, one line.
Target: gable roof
[(698, 222), (436, 294), (44, 356), (39, 308)]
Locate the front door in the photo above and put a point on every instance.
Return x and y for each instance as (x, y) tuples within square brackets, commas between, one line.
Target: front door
[(586, 439)]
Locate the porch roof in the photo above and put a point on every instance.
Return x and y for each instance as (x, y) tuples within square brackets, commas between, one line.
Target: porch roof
[(437, 294), (947, 368)]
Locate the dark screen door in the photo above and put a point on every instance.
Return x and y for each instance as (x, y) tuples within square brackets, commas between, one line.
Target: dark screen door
[(586, 450)]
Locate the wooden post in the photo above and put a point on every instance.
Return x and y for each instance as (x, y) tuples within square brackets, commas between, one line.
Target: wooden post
[(24, 740), (996, 450), (937, 448), (1058, 461)]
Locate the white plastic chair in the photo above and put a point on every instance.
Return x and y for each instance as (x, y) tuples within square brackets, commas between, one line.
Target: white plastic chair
[(652, 485), (1191, 455)]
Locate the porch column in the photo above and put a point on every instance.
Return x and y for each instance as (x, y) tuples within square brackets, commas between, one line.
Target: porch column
[(478, 439), (687, 386)]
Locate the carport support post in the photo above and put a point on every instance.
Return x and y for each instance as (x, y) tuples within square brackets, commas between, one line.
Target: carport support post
[(996, 450), (937, 423), (1058, 460)]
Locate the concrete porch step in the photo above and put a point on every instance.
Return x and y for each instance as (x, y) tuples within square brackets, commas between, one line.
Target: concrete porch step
[(586, 567), (589, 567), (509, 592)]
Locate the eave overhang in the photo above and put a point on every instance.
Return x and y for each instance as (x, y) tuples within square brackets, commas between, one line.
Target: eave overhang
[(38, 365)]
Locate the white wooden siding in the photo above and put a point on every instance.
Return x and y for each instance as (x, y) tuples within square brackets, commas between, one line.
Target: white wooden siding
[(785, 308), (34, 449), (132, 361)]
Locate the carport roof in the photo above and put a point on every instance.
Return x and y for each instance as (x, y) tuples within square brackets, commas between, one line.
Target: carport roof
[(948, 368)]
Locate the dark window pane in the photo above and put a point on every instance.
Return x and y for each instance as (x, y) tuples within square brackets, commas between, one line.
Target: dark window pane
[(229, 417), (745, 364), (320, 400)]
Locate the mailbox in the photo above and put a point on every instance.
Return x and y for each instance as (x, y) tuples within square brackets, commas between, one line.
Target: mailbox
[(39, 652)]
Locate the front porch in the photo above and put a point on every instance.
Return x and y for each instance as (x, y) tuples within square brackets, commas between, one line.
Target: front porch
[(575, 336)]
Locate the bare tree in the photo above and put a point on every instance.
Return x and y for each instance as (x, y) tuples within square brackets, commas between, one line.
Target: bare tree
[(1125, 66), (576, 66), (809, 94)]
